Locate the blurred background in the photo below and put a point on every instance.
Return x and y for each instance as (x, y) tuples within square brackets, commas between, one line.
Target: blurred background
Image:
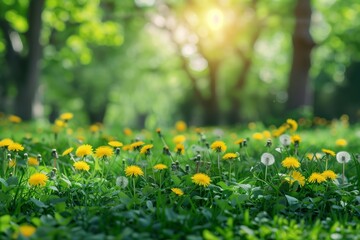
[(145, 63)]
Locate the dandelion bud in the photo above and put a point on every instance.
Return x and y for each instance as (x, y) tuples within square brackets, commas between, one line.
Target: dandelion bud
[(187, 168), (207, 145), (9, 156), (39, 158), (117, 151), (244, 143), (26, 156), (54, 153), (198, 157), (159, 132), (203, 138), (268, 143), (173, 167), (166, 151), (343, 157)]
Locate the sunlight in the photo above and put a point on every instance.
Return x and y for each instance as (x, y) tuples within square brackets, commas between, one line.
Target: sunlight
[(215, 19)]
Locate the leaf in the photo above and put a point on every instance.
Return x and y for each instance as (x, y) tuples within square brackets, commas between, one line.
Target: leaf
[(4, 182), (12, 180), (209, 235), (150, 205), (291, 200), (38, 203), (176, 180), (4, 223)]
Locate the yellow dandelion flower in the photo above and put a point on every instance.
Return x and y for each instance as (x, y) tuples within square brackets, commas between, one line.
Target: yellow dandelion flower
[(15, 147), (127, 132), (67, 151), (280, 131), (94, 128), (329, 174), (66, 116), (12, 163), (14, 119), (32, 161), (27, 230), (297, 177), (239, 141), (81, 165), (201, 179), (230, 156), (133, 171), (341, 142), (160, 166), (59, 123), (179, 139), (266, 134), (115, 144), (180, 126), (84, 150), (146, 149), (6, 142), (136, 145), (177, 191), (258, 136), (126, 147), (180, 149), (295, 139), (38, 179), (292, 124), (218, 146), (316, 177), (104, 151), (328, 152), (290, 162)]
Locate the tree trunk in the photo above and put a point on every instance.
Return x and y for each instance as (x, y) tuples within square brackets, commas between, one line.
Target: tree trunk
[(210, 105), (298, 93), (27, 84)]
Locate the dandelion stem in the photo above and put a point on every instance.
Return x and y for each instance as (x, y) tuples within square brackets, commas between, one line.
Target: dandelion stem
[(343, 173), (266, 166), (326, 163)]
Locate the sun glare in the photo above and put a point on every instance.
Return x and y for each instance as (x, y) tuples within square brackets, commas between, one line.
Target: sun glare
[(215, 19)]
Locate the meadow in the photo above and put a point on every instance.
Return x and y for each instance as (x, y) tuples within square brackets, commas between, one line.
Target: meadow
[(296, 180)]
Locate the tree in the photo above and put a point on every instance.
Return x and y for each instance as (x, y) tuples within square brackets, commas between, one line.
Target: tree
[(298, 89)]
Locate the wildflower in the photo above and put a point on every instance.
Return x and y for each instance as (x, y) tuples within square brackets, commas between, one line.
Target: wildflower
[(343, 157), (316, 177), (297, 177), (104, 151), (328, 174), (267, 159), (241, 142), (27, 230), (180, 126), (201, 179), (266, 134), (281, 130), (12, 163), (59, 123), (6, 142), (296, 139), (84, 150), (15, 147), (292, 124), (66, 116), (218, 146), (136, 145), (290, 162), (14, 119), (177, 191), (38, 179), (160, 166), (179, 139), (81, 165), (314, 156), (127, 132), (328, 152), (115, 144), (258, 136), (126, 147), (285, 140), (94, 128), (133, 171), (67, 151), (341, 142), (146, 149), (32, 161), (180, 148), (230, 156)]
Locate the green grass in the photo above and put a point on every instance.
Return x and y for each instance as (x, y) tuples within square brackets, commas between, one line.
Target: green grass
[(104, 203)]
